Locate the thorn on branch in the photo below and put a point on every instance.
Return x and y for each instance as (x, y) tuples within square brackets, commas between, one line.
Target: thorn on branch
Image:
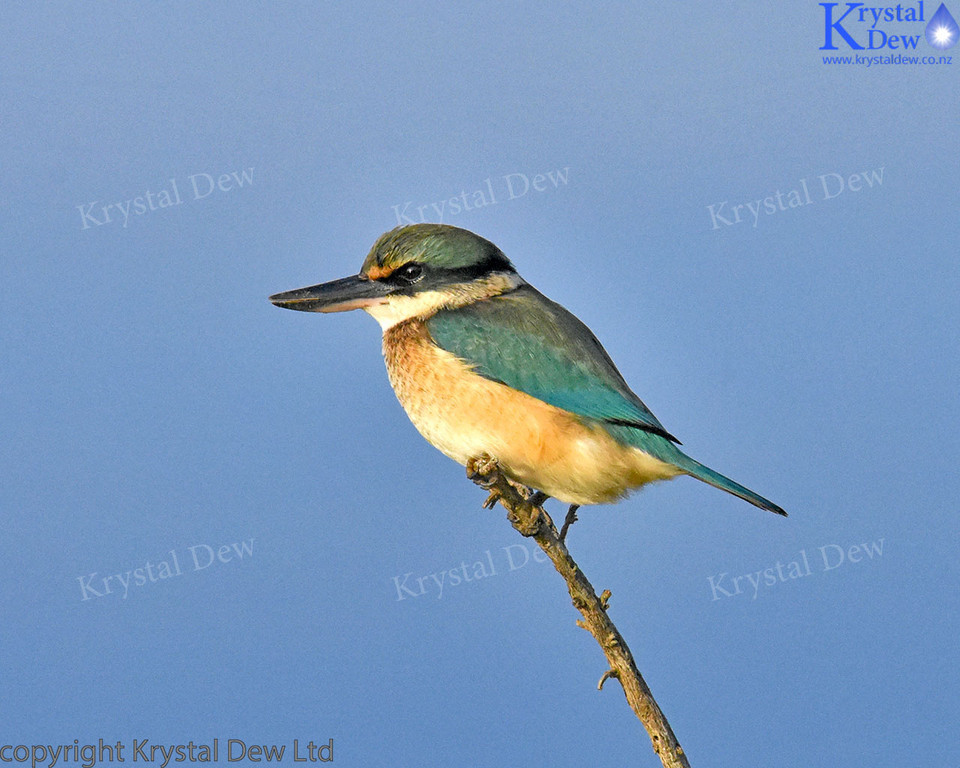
[(605, 599), (606, 676)]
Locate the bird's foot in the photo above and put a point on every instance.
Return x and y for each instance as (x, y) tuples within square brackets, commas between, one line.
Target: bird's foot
[(522, 503), (569, 520), (484, 471)]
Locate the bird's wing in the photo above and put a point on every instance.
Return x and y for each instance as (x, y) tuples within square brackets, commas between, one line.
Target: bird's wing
[(532, 344)]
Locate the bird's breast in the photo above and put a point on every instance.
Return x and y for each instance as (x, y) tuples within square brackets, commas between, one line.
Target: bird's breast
[(464, 415)]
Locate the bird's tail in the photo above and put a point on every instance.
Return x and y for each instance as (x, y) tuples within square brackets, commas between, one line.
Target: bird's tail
[(667, 451), (696, 469)]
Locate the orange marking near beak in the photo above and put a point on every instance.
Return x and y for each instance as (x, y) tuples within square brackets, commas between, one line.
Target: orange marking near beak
[(377, 272)]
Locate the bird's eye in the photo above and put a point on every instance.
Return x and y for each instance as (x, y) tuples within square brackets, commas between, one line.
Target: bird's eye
[(408, 273)]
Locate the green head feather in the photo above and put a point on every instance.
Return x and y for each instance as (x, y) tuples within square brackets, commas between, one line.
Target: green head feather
[(438, 246)]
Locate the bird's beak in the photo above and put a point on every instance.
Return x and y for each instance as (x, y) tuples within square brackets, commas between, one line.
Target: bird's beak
[(356, 292)]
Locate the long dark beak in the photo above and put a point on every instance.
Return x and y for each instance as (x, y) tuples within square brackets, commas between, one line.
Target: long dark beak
[(354, 292)]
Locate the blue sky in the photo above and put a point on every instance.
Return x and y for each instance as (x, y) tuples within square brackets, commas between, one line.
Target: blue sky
[(158, 413)]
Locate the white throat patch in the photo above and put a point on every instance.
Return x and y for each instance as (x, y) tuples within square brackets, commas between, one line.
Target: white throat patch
[(396, 309)]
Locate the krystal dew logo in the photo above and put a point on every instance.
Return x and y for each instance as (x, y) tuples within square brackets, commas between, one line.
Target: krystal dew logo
[(942, 32), (859, 27), (99, 212), (202, 556)]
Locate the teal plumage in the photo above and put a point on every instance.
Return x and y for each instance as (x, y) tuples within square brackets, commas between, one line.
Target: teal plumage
[(484, 363), (526, 341)]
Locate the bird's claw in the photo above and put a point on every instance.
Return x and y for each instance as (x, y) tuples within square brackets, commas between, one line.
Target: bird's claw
[(492, 499), (483, 470)]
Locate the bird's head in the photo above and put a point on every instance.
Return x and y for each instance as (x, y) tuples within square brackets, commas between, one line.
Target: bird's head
[(413, 271)]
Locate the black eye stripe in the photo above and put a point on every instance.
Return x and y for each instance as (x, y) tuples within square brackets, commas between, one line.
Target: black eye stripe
[(415, 272), (407, 274)]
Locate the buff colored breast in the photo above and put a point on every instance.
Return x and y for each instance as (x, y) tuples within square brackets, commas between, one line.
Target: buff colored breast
[(464, 415)]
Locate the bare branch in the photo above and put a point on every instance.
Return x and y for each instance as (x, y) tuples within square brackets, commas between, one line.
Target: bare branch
[(532, 521), (570, 519)]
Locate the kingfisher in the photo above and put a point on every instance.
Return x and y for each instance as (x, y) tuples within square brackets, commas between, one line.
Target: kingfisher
[(486, 365)]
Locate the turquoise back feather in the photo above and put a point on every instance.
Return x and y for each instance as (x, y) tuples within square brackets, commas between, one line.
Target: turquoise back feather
[(534, 345)]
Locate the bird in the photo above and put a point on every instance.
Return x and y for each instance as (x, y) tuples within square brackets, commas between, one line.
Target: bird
[(486, 365)]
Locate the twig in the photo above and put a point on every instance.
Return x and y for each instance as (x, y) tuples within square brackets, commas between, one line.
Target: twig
[(533, 521), (569, 520)]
